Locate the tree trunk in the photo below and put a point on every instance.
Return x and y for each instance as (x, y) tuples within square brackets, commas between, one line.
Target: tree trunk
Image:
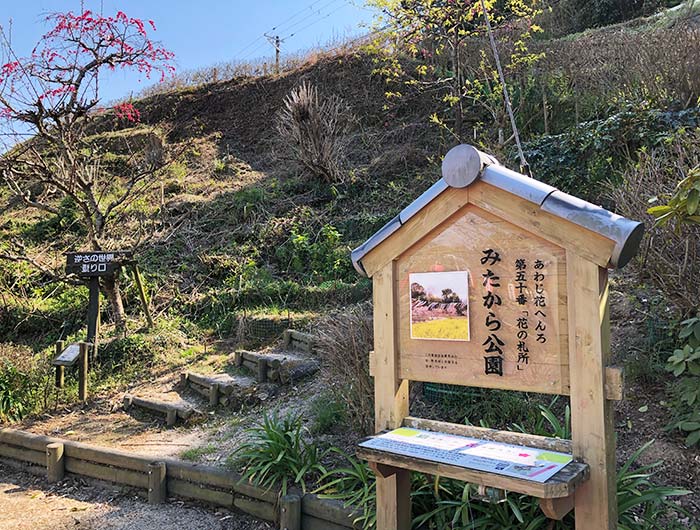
[(457, 87), (110, 286)]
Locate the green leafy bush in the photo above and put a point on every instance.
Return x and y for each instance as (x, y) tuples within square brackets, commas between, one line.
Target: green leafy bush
[(685, 366), (583, 159), (275, 453)]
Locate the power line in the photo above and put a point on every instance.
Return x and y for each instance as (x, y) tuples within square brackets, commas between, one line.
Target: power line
[(317, 21), (278, 26)]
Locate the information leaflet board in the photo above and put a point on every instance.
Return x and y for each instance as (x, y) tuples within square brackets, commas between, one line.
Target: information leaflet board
[(471, 453)]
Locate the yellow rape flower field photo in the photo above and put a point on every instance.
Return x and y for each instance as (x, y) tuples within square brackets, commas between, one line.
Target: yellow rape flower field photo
[(440, 305)]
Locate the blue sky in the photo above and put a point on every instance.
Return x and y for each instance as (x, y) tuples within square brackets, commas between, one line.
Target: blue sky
[(201, 32)]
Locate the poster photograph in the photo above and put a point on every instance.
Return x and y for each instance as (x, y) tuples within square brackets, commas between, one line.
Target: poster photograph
[(440, 305)]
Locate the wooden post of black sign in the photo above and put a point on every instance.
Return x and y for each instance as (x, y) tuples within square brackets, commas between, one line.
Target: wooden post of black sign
[(93, 315), (83, 371)]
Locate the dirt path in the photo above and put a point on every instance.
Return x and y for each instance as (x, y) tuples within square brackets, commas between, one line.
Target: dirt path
[(27, 503)]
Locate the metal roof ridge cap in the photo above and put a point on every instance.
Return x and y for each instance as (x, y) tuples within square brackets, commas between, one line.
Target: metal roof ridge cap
[(520, 185), (625, 233), (422, 200)]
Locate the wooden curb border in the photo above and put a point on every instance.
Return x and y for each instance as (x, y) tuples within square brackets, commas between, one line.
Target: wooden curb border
[(165, 478)]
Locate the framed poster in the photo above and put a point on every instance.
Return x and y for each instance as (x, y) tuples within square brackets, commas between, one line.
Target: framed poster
[(440, 305)]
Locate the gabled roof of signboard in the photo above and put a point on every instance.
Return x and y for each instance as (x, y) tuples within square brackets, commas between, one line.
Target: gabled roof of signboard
[(464, 164)]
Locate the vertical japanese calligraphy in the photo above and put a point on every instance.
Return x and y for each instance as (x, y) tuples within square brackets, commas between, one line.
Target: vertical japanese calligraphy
[(540, 302), (493, 345), (522, 324)]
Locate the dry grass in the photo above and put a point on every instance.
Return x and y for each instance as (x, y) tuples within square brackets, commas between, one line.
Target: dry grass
[(670, 255), (344, 339)]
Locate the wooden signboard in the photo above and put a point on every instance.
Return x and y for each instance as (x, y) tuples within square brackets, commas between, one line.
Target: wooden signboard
[(492, 279), (68, 357), (514, 308), (96, 264)]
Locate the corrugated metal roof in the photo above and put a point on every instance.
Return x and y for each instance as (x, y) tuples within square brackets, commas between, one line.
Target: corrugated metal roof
[(626, 234)]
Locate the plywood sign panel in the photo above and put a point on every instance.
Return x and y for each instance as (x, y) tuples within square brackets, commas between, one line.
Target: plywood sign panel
[(482, 302)]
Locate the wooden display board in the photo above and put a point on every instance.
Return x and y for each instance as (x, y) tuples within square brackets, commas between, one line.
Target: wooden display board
[(491, 279), (515, 312)]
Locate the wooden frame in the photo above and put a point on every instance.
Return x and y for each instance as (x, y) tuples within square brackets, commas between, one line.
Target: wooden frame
[(591, 383)]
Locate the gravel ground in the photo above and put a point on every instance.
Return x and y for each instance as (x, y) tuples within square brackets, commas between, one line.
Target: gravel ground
[(27, 503)]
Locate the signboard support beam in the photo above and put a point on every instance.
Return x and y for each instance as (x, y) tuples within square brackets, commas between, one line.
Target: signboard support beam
[(93, 314), (391, 400), (83, 372), (592, 427)]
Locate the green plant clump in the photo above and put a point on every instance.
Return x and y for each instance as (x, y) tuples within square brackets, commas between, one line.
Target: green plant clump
[(275, 454), (685, 366)]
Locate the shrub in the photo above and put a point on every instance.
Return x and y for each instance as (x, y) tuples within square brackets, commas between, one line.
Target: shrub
[(582, 160), (670, 255), (21, 379), (685, 366), (343, 340), (314, 130), (276, 454)]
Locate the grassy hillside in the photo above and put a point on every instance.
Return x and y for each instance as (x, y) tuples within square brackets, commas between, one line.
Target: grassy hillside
[(236, 232)]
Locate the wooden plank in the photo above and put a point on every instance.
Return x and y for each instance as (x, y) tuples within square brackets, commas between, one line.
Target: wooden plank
[(25, 455), (309, 522), (32, 469), (557, 508), (593, 431), (516, 438), (390, 392), (330, 510), (68, 357), (29, 440), (218, 478), (261, 510), (106, 473), (614, 383), (107, 456), (390, 398), (590, 245), (562, 484), (301, 336), (250, 365), (188, 490), (425, 221)]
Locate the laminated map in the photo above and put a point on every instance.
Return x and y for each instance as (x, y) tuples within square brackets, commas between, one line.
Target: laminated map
[(517, 461)]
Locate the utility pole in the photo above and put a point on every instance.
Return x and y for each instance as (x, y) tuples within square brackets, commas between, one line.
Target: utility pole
[(277, 43)]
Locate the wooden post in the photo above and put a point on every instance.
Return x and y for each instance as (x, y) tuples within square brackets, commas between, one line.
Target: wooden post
[(60, 370), (592, 427), (142, 294), (171, 417), (83, 366), (390, 401), (262, 370), (93, 315), (157, 483), (213, 395), (290, 512), (55, 463)]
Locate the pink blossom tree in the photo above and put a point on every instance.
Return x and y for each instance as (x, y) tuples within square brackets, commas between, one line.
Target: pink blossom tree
[(49, 111)]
